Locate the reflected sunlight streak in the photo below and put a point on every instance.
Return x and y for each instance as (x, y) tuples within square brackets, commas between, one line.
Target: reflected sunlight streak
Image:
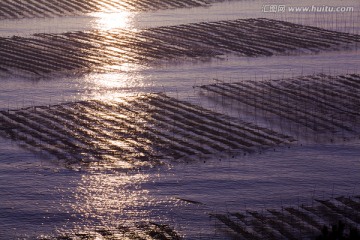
[(109, 199), (108, 21), (120, 76), (111, 86)]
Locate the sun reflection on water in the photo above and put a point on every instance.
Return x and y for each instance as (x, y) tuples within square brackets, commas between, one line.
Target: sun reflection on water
[(108, 200), (119, 77), (108, 21), (114, 85)]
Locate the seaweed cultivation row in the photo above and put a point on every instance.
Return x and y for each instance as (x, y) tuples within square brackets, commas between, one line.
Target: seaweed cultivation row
[(15, 9), (140, 231), (145, 130), (319, 104), (44, 53), (295, 223)]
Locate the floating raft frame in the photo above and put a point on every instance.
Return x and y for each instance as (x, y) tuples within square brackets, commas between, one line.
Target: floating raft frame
[(145, 130), (146, 230), (293, 223), (44, 53), (319, 104), (17, 9)]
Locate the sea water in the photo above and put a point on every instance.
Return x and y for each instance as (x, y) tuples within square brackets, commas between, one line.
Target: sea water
[(41, 197)]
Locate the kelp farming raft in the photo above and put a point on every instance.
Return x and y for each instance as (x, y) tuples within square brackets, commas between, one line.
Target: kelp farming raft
[(16, 9), (43, 54), (337, 218), (146, 230), (141, 131), (307, 106)]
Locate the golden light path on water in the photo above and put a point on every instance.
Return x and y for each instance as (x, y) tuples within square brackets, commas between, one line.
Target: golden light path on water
[(114, 85), (112, 199), (108, 21), (118, 81)]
